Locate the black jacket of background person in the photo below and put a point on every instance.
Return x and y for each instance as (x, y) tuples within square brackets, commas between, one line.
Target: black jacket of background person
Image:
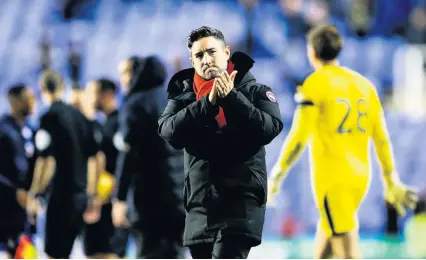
[(71, 141), (13, 173), (225, 172), (109, 131), (146, 162)]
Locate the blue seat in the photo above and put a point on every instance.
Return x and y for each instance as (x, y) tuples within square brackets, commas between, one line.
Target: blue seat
[(348, 56)]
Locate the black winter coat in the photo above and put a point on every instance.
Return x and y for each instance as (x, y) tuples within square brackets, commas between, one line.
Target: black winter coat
[(225, 170), (145, 161)]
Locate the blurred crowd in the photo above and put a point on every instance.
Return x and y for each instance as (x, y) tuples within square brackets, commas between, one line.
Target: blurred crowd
[(406, 18), (105, 32)]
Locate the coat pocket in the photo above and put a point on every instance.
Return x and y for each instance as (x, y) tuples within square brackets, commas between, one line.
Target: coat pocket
[(243, 181), (186, 192), (196, 190), (261, 187), (257, 184)]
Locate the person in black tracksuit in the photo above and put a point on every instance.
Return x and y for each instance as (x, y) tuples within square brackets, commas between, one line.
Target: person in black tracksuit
[(14, 168), (148, 164), (102, 239), (222, 128), (66, 145)]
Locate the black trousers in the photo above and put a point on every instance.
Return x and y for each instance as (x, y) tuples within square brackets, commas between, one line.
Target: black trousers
[(150, 245), (222, 248), (160, 237)]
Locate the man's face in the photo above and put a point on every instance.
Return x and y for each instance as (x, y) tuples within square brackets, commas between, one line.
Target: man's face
[(26, 103), (125, 70), (209, 57), (92, 95)]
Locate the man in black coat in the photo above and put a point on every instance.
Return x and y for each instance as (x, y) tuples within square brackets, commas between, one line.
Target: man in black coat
[(222, 118), (146, 163)]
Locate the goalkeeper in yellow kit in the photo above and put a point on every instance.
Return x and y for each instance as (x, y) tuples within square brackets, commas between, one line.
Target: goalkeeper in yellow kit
[(338, 113)]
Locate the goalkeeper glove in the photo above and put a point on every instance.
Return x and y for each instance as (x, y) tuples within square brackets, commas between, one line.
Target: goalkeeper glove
[(399, 195)]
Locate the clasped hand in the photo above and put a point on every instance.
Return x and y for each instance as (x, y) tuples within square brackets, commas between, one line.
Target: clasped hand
[(223, 84)]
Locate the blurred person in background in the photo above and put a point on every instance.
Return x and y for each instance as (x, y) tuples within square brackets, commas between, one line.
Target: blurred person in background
[(360, 14), (416, 31), (67, 149), (45, 51), (222, 118), (146, 164), (317, 13), (246, 44), (102, 239), (339, 118), (14, 167), (292, 13), (77, 96)]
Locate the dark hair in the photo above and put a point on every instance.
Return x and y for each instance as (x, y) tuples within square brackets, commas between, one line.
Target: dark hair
[(204, 32), (106, 85), (136, 61), (326, 41), (16, 91), (52, 81)]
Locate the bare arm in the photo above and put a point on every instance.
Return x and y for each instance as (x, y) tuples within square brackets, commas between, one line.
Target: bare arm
[(43, 173), (92, 175), (95, 165), (101, 162), (21, 197)]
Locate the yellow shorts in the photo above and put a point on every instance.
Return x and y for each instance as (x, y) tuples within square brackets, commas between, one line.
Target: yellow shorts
[(338, 208)]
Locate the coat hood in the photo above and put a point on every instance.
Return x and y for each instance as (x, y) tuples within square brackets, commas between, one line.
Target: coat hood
[(148, 73)]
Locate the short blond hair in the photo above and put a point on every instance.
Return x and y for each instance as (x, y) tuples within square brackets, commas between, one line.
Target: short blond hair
[(51, 81)]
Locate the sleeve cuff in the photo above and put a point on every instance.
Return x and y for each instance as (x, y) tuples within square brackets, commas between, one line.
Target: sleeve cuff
[(210, 109), (21, 186), (121, 196), (228, 99)]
